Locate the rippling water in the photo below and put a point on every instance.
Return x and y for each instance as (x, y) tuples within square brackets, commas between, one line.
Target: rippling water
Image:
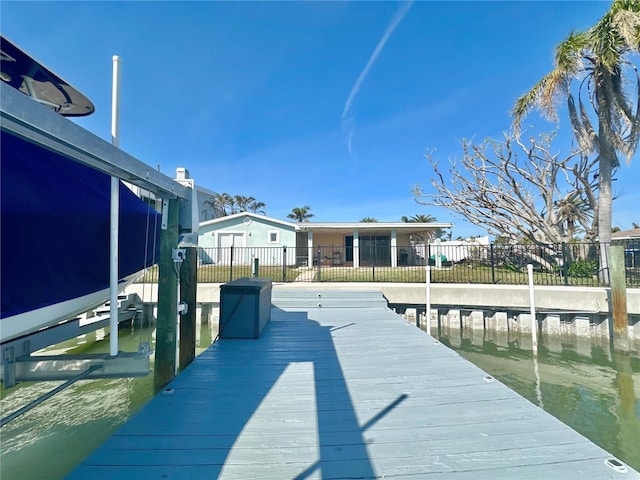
[(47, 442), (591, 388)]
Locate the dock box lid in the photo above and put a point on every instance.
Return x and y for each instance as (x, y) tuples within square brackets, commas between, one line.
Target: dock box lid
[(247, 285)]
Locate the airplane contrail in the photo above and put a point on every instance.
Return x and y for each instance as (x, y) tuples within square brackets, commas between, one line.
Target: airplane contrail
[(347, 117)]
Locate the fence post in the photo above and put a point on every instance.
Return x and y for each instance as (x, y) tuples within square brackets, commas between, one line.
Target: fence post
[(373, 261), (319, 258), (493, 271), (564, 263), (231, 265), (284, 263), (256, 267)]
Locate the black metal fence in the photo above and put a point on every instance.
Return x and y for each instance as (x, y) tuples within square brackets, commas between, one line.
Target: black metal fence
[(571, 264)]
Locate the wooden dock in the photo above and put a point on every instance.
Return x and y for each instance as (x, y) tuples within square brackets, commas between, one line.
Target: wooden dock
[(340, 387)]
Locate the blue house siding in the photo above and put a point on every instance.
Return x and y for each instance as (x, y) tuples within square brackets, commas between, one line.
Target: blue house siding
[(252, 236)]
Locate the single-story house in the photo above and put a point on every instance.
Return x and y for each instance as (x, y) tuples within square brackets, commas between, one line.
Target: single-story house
[(305, 244), (631, 240), (251, 235)]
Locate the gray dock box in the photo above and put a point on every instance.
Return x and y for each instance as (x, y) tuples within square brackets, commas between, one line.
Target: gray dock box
[(245, 307)]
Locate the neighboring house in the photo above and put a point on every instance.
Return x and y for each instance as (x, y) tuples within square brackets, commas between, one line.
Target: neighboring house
[(305, 244), (458, 250), (252, 235), (633, 234), (631, 240), (205, 210)]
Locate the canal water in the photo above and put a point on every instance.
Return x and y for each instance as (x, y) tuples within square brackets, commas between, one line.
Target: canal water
[(588, 386), (47, 442), (585, 384)]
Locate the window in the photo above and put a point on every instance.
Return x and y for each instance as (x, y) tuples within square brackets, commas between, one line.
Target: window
[(273, 236)]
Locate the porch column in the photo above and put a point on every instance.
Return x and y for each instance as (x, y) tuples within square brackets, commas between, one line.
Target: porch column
[(394, 249), (310, 249), (356, 249)]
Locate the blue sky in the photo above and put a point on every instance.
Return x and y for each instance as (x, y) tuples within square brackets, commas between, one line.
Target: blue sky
[(326, 104)]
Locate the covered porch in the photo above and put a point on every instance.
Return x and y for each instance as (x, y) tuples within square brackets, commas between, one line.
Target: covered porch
[(364, 244)]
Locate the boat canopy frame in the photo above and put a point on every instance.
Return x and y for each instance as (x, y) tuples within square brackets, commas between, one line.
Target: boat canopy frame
[(21, 115)]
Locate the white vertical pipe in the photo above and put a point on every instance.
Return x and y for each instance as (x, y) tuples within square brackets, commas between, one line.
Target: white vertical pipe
[(428, 302), (534, 323), (177, 362), (114, 213)]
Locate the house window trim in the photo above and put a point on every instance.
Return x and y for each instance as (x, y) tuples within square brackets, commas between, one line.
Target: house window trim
[(277, 240)]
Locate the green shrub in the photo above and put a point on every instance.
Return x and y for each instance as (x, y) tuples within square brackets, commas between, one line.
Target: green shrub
[(582, 268)]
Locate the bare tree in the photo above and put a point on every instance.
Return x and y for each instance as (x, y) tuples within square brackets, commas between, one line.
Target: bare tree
[(538, 196)]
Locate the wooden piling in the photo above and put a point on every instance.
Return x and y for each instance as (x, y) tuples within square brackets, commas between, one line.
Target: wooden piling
[(165, 360), (188, 287), (617, 276)]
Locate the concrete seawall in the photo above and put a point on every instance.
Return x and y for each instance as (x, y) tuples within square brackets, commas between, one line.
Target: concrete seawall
[(581, 311)]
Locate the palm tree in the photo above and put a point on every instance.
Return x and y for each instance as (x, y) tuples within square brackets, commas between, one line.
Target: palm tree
[(256, 207), (423, 218), (573, 213), (301, 214), (369, 220), (221, 202), (418, 218), (598, 59)]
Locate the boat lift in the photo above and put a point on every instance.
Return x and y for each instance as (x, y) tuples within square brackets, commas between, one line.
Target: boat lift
[(23, 117)]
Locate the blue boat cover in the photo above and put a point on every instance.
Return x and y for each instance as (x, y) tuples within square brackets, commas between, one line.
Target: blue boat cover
[(54, 228)]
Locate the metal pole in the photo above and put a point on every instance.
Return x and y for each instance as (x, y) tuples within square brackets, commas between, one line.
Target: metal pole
[(534, 323), (284, 264), (48, 395), (114, 214), (428, 302)]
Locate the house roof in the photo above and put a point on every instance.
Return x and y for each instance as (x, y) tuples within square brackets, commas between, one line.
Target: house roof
[(249, 215), (410, 227), (405, 227), (626, 234)]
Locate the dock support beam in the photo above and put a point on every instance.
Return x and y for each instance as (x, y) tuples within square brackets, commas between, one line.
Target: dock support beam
[(617, 277), (188, 288), (165, 360)]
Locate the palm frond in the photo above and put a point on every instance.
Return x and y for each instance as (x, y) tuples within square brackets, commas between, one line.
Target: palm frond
[(627, 24), (584, 118), (543, 95), (580, 131), (570, 54)]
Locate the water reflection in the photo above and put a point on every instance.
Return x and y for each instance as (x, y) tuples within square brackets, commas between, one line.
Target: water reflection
[(49, 441), (586, 385)]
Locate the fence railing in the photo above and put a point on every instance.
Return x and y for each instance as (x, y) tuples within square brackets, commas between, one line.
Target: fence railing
[(571, 264)]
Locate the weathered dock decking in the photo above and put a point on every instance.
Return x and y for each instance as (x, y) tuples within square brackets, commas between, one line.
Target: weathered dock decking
[(346, 389)]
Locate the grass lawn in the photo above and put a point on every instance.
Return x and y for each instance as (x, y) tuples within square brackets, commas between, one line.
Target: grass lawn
[(455, 274)]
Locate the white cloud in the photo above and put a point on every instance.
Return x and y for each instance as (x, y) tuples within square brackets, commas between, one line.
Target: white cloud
[(347, 115)]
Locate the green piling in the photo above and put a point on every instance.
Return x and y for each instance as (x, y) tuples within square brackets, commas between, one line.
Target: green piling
[(188, 288), (165, 360)]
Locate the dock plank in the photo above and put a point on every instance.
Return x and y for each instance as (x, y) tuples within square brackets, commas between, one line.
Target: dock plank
[(346, 390)]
